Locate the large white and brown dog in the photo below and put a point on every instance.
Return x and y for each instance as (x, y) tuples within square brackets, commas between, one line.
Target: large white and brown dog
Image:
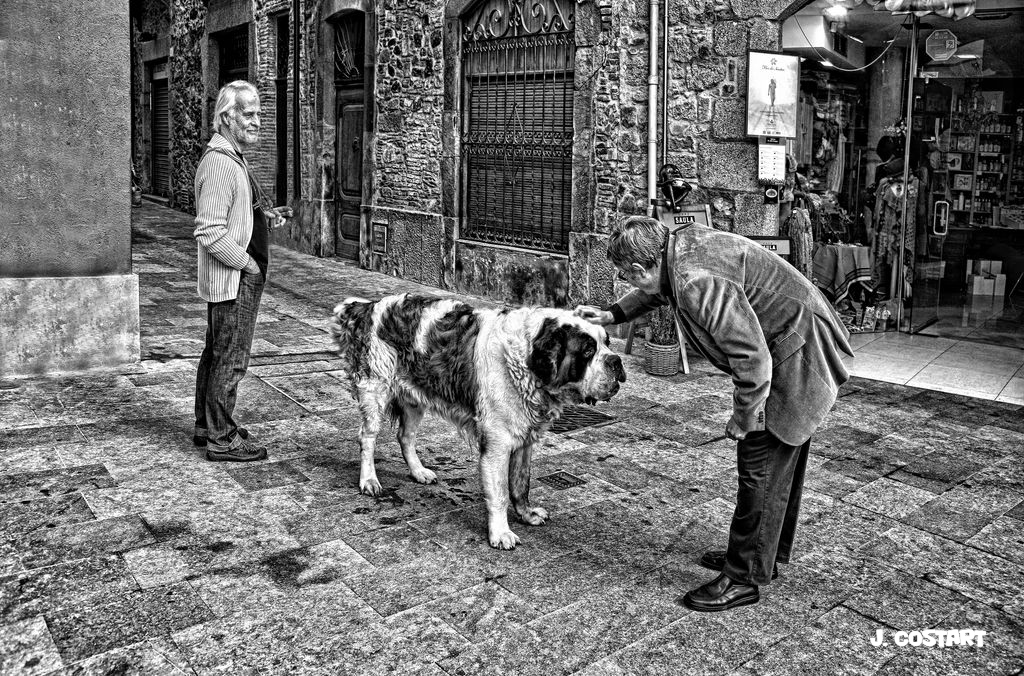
[(501, 376)]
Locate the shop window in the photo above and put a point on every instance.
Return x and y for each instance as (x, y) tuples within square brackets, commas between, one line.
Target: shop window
[(233, 55), (517, 123)]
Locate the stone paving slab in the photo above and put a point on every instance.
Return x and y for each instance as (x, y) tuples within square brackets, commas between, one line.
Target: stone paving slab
[(122, 550)]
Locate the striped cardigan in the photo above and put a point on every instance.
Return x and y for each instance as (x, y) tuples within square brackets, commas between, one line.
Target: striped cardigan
[(223, 222)]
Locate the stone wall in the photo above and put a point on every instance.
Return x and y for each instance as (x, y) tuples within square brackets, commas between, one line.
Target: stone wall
[(708, 43), (64, 139), (410, 93), (187, 97), (68, 300), (262, 73)]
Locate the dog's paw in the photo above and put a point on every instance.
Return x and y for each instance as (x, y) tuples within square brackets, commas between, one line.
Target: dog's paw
[(424, 476), (506, 540), (370, 487), (535, 516)]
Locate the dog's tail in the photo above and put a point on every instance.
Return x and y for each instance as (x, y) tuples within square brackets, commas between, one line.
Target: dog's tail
[(350, 329)]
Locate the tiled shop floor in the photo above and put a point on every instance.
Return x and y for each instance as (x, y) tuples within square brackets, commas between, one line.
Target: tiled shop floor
[(949, 365)]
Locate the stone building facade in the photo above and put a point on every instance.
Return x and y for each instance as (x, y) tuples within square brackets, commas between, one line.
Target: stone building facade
[(381, 172)]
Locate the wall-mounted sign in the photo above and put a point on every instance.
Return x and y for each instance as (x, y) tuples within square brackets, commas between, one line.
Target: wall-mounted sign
[(773, 90), (941, 45), (379, 233), (689, 214), (777, 245), (771, 160)]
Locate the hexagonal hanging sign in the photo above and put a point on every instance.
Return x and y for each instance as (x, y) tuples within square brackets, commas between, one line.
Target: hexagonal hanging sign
[(941, 45)]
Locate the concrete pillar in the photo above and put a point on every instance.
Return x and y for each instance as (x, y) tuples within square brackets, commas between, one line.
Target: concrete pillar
[(68, 298)]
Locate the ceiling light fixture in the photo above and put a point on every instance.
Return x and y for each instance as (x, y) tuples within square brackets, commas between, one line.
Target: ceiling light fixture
[(835, 13)]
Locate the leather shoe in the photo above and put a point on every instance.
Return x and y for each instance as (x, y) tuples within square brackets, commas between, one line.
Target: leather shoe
[(715, 560), (201, 441), (722, 593), (244, 452)]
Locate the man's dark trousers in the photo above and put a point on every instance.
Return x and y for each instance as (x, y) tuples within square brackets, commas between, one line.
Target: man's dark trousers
[(771, 478), (229, 329)]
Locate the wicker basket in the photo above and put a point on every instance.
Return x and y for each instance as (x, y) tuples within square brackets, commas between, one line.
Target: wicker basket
[(661, 360)]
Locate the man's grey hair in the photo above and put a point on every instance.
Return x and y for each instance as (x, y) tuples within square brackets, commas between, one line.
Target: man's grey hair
[(639, 240), (227, 100)]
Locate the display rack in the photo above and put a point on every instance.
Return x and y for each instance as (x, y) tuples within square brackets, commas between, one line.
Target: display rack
[(978, 165), (1015, 189)]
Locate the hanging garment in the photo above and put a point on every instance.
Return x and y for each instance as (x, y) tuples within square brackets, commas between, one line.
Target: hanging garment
[(890, 236), (836, 168), (798, 229)]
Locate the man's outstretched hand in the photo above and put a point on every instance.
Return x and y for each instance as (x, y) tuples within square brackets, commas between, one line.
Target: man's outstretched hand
[(594, 314)]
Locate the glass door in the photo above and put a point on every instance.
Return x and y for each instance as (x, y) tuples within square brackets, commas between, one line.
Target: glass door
[(930, 206)]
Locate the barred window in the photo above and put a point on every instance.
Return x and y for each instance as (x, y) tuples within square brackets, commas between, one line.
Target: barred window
[(517, 122)]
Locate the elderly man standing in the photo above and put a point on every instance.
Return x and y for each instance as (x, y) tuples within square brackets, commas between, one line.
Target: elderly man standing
[(756, 318), (232, 217)]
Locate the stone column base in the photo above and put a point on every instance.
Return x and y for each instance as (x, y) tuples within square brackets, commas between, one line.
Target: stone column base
[(52, 324)]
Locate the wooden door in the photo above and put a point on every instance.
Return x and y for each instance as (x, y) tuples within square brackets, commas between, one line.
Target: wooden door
[(349, 171)]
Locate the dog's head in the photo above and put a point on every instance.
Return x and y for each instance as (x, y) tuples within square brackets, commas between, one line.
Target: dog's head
[(569, 354)]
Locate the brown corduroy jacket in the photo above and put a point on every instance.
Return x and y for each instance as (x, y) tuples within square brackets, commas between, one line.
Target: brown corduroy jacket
[(756, 318)]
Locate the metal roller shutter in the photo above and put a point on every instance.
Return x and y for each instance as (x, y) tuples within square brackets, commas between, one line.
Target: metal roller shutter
[(161, 139)]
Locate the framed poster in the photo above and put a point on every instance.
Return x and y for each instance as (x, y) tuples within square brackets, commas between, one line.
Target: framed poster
[(773, 91), (954, 161), (962, 181)]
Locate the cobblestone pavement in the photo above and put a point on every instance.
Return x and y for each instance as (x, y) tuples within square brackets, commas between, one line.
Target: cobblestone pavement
[(124, 552)]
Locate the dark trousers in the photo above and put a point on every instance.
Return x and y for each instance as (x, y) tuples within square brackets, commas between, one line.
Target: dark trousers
[(229, 328), (771, 479)]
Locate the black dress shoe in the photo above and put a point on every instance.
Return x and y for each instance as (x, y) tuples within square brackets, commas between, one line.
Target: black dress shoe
[(201, 441), (715, 560), (722, 593), (244, 452)]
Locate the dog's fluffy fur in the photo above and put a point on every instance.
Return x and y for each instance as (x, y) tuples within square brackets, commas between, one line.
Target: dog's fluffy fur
[(502, 377)]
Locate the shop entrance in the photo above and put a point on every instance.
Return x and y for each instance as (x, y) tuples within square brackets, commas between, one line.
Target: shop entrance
[(910, 157)]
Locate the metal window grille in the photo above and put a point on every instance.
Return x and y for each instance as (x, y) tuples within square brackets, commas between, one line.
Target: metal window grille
[(517, 124), (349, 50), (233, 51)]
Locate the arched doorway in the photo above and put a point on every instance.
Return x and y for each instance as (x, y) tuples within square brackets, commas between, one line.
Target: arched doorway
[(349, 32)]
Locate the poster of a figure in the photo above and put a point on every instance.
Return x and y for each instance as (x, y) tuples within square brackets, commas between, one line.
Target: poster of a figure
[(773, 87)]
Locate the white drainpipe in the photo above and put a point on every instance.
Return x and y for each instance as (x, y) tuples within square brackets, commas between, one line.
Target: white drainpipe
[(652, 108)]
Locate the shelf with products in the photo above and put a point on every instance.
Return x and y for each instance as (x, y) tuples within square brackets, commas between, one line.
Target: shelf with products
[(985, 144)]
